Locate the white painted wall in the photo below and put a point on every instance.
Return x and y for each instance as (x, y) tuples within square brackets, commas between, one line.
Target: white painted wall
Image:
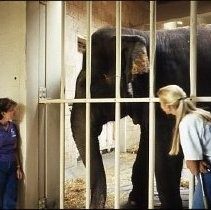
[(13, 65), (31, 78), (53, 77), (21, 61), (43, 70)]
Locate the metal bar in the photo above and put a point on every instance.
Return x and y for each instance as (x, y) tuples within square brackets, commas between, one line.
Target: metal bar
[(42, 67), (193, 48), (203, 192), (117, 104), (46, 108), (97, 100), (152, 105), (193, 79), (62, 109), (88, 96), (112, 100), (46, 152), (46, 19)]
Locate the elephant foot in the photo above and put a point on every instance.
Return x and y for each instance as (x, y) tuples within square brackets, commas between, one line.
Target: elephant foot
[(130, 204), (98, 203), (96, 206)]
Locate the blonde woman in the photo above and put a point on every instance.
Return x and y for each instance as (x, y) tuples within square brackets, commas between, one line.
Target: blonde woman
[(193, 131)]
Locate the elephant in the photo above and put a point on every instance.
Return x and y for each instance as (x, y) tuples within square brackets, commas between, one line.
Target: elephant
[(172, 61)]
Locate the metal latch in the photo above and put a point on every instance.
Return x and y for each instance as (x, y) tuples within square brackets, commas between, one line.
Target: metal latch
[(42, 92)]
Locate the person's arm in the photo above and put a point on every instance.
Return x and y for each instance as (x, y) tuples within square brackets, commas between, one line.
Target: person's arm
[(19, 171), (193, 166), (190, 130), (18, 156), (19, 166), (197, 166)]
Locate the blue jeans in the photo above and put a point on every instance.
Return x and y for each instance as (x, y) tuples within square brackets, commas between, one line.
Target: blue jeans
[(8, 185), (198, 198)]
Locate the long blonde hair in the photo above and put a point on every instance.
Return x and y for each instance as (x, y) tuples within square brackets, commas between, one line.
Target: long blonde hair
[(176, 96)]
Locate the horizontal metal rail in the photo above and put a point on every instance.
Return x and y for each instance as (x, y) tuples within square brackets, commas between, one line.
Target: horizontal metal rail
[(111, 100)]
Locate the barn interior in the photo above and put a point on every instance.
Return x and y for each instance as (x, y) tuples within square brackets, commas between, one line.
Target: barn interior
[(31, 47)]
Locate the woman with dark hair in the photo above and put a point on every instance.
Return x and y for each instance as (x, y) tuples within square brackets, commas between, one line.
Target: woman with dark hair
[(193, 132), (10, 165)]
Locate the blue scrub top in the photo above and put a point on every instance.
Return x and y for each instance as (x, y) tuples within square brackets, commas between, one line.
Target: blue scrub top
[(8, 142)]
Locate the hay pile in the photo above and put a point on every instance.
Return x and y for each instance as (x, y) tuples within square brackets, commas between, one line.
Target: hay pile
[(75, 195), (75, 188)]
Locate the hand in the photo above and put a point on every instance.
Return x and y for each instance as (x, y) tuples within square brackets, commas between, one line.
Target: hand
[(197, 166), (203, 166), (19, 174), (193, 166)]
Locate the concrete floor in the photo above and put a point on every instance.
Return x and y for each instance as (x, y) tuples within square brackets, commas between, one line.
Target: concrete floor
[(126, 163)]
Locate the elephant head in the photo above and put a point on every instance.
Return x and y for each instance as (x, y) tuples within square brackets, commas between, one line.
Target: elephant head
[(134, 58)]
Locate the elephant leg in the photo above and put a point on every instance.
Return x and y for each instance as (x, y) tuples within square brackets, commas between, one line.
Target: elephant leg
[(138, 197), (97, 175), (168, 174), (98, 178), (79, 129), (167, 168)]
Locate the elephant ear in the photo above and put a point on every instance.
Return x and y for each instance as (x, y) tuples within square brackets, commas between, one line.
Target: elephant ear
[(134, 56), (135, 53)]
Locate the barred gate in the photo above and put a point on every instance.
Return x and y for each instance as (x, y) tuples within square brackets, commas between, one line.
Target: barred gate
[(118, 100)]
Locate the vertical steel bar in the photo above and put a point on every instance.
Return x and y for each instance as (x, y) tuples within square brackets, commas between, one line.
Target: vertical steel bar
[(46, 108), (62, 108), (46, 150), (193, 47), (117, 104), (193, 79), (151, 104), (88, 96)]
